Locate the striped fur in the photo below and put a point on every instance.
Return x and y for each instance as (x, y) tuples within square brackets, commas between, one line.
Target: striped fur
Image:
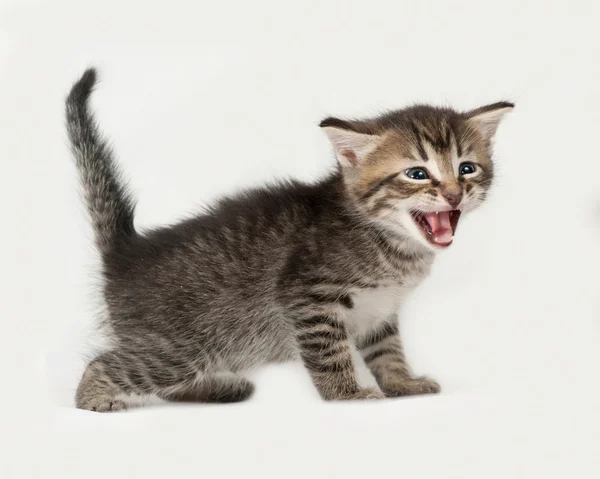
[(110, 206), (289, 271)]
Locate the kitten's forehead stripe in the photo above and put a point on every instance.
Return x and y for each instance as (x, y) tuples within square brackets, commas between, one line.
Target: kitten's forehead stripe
[(457, 141), (419, 142)]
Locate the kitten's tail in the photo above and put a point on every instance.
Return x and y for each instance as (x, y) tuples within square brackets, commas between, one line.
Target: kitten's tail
[(107, 200)]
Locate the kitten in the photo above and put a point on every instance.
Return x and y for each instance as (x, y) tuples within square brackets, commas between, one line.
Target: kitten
[(291, 271)]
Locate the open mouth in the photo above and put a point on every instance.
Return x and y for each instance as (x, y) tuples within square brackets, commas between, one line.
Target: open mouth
[(438, 227)]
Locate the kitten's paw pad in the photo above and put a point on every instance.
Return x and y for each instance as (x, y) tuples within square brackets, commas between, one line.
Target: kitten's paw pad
[(412, 387), (103, 404)]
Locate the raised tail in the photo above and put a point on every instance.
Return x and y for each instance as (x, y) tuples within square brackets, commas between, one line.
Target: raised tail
[(106, 197)]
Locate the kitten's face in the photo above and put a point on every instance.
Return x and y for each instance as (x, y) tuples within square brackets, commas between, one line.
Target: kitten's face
[(418, 170)]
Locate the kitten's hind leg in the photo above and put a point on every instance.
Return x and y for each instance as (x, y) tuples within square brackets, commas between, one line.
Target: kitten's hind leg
[(117, 374), (97, 391), (221, 387)]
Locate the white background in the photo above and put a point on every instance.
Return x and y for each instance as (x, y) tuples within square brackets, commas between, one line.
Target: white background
[(201, 98)]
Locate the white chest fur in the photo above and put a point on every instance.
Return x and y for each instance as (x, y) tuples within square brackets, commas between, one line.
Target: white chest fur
[(372, 306)]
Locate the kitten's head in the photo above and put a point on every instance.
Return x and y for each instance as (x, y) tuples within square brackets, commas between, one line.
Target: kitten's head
[(417, 170)]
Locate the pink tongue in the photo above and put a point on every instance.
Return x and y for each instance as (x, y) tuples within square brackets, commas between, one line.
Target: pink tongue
[(441, 230)]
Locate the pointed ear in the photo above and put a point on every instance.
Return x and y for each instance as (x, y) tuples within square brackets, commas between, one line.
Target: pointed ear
[(351, 147), (487, 118)]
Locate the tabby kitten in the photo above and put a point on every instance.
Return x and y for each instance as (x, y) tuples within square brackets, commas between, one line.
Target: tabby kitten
[(283, 272)]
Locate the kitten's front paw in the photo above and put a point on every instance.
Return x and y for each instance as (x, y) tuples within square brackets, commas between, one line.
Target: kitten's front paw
[(411, 387), (364, 393)]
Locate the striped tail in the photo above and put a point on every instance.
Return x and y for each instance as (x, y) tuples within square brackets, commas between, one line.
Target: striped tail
[(107, 200)]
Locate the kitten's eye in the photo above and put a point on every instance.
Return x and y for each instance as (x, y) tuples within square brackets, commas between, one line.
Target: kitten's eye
[(466, 168), (417, 174)]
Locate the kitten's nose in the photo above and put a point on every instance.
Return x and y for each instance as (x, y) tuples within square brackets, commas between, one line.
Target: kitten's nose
[(453, 197)]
